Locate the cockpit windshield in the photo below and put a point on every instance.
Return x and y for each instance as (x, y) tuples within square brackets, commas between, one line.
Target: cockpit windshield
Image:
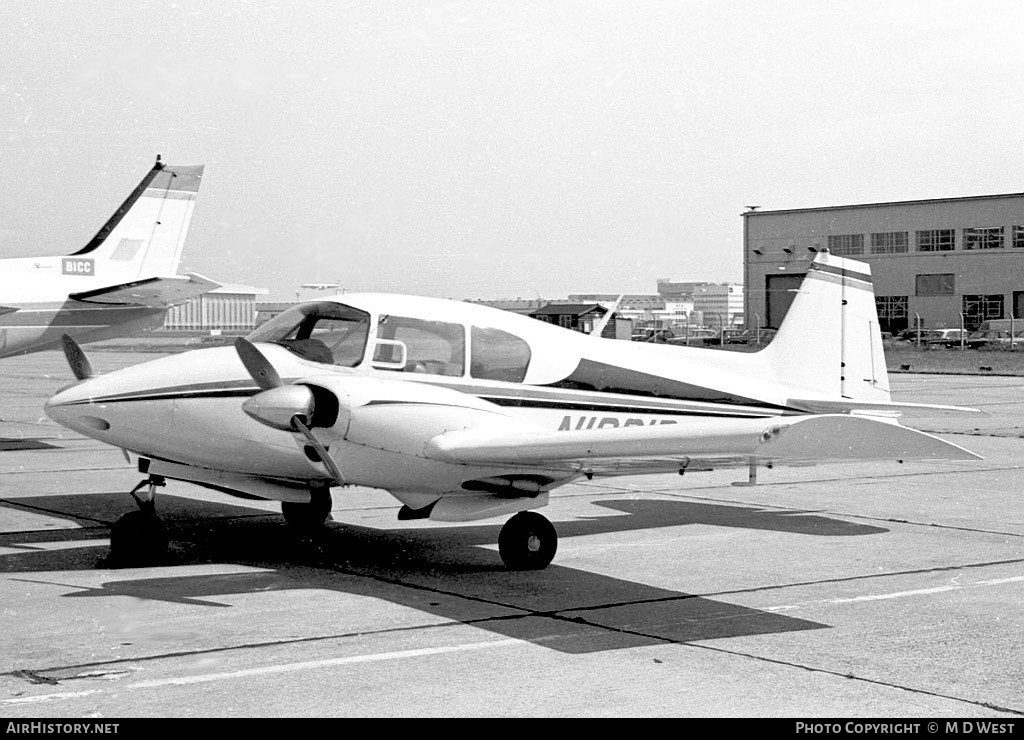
[(322, 331)]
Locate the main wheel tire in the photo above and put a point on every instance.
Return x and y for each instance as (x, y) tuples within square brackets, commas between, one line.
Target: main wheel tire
[(138, 538), (305, 518), (528, 541)]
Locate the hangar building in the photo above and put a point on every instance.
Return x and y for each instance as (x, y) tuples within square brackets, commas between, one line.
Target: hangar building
[(942, 261)]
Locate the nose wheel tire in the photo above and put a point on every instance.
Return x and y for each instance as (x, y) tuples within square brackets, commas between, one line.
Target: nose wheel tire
[(527, 542), (138, 538), (306, 518)]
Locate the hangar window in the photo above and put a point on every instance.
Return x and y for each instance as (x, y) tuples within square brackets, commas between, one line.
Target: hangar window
[(432, 347), (937, 284), (498, 355), (893, 312), (846, 244), (936, 240), (891, 306), (984, 238), (978, 308), (1018, 237), (889, 242)]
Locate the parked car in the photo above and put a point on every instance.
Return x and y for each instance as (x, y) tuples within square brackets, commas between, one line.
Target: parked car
[(907, 335), (929, 337), (749, 336), (945, 338), (653, 335), (695, 337), (995, 339)]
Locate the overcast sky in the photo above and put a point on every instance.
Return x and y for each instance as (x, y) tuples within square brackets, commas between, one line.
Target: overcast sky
[(489, 149)]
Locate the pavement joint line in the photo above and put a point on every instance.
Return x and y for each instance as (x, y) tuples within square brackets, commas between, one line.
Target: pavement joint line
[(791, 664), (556, 615), (863, 679), (276, 668), (867, 576), (44, 675)]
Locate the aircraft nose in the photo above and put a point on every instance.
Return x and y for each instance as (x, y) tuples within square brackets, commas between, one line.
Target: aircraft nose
[(72, 407)]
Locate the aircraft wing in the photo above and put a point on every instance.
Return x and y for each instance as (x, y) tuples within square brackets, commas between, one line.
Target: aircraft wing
[(155, 292), (7, 309), (819, 406), (700, 445)]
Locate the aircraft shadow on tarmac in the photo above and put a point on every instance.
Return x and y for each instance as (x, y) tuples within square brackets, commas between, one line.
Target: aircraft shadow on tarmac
[(579, 611), (10, 445)]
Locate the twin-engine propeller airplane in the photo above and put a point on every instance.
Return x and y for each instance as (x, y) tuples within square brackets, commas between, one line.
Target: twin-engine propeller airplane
[(465, 412), (120, 283)]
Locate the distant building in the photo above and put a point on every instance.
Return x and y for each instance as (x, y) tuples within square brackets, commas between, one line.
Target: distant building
[(269, 309), (629, 302), (719, 304), (676, 290), (518, 305), (942, 261), (228, 308), (576, 316)]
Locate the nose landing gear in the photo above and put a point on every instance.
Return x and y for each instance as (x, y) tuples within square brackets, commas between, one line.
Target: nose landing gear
[(139, 537)]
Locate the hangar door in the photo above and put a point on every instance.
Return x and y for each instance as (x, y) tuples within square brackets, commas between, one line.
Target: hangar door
[(780, 290)]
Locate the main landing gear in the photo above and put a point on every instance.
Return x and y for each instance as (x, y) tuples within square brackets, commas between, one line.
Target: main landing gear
[(307, 518), (527, 541), (139, 537)]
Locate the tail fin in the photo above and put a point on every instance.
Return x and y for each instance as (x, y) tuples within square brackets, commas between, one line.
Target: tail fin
[(829, 343), (146, 234)]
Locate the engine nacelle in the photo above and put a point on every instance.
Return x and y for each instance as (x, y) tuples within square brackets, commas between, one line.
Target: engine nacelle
[(382, 428)]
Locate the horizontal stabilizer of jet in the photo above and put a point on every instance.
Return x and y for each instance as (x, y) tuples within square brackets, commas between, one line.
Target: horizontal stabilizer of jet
[(155, 292)]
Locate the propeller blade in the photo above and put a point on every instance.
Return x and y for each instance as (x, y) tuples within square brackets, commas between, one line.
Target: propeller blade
[(76, 358), (325, 458), (258, 366)]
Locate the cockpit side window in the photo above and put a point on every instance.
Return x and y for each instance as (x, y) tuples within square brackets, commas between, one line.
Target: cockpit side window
[(498, 355), (434, 347), (323, 332)]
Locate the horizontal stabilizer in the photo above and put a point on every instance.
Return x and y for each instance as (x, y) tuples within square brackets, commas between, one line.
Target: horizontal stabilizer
[(809, 439), (156, 292)]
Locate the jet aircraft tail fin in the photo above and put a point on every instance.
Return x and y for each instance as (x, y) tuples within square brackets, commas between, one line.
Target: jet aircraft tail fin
[(829, 342), (145, 235)]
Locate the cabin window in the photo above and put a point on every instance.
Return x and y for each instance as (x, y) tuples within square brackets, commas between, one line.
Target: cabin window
[(433, 347), (498, 355), (323, 332)]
